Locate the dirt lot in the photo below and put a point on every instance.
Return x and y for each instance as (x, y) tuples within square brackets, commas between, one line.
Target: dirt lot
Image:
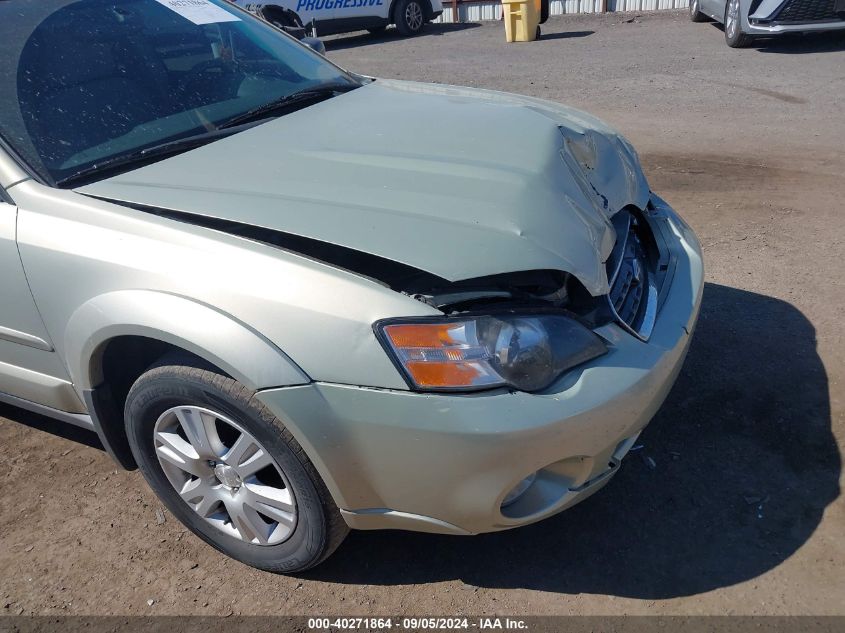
[(741, 512)]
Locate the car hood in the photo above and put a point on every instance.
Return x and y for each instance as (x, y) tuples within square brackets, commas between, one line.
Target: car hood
[(457, 182)]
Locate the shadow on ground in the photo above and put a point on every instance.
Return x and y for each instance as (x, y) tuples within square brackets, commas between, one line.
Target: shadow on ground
[(745, 465), (799, 44), (565, 35), (48, 425), (364, 38)]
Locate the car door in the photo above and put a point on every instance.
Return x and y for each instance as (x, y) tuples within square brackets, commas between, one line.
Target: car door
[(353, 14), (30, 369)]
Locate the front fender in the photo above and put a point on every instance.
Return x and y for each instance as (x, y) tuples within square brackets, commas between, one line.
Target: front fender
[(219, 338)]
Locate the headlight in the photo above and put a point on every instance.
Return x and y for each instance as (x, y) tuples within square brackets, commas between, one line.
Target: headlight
[(526, 352)]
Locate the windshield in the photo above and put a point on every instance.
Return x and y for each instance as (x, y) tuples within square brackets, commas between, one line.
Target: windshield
[(85, 82)]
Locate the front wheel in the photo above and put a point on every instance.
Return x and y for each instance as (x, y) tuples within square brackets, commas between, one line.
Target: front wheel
[(409, 16), (734, 37), (228, 469)]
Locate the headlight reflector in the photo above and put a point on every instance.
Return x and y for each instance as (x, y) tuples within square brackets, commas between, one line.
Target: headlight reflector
[(526, 352)]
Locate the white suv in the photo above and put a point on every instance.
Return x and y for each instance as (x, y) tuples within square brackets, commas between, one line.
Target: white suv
[(340, 16)]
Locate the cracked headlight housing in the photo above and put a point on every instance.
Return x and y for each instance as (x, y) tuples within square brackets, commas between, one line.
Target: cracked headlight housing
[(527, 352)]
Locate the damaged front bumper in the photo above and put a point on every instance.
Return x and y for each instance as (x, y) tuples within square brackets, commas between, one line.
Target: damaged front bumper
[(445, 462)]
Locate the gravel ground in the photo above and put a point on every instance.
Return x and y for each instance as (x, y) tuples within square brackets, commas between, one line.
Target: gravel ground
[(732, 506)]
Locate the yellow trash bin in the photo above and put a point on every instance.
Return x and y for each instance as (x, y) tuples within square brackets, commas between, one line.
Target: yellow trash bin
[(522, 19)]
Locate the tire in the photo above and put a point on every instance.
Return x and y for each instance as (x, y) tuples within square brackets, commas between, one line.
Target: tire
[(694, 14), (734, 37), (538, 34), (409, 16), (170, 399)]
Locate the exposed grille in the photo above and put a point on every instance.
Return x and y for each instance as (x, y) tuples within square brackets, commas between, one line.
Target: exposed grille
[(633, 294), (808, 11)]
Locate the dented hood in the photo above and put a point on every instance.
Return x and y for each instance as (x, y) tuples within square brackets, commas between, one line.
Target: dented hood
[(457, 182)]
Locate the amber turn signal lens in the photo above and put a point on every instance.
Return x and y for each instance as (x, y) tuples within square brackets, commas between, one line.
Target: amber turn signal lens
[(420, 336), (525, 351), (441, 355)]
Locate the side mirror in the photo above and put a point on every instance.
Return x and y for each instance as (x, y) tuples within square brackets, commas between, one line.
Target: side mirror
[(315, 44)]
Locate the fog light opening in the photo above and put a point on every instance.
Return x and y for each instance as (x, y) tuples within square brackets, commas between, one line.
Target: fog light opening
[(520, 489)]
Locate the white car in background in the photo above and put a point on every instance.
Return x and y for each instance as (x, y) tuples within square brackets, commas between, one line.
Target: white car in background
[(746, 20), (341, 16)]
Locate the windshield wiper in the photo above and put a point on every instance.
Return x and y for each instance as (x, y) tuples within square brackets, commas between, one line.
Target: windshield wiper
[(114, 163), (155, 151), (302, 97)]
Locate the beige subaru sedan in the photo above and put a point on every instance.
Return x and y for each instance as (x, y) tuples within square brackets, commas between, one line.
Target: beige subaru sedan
[(301, 300)]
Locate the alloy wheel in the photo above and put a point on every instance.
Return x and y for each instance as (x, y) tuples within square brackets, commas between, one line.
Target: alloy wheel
[(732, 18), (414, 16), (224, 474)]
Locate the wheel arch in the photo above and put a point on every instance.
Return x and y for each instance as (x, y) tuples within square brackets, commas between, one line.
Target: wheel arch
[(197, 328), (112, 339)]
